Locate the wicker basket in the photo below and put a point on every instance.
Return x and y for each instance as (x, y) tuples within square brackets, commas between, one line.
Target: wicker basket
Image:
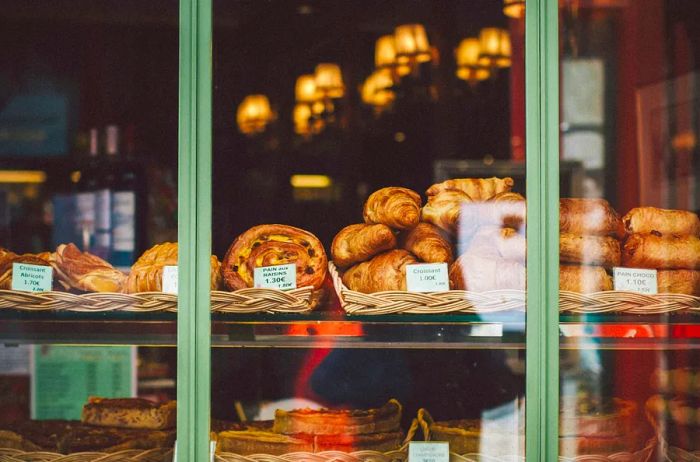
[(131, 455), (626, 303), (243, 301)]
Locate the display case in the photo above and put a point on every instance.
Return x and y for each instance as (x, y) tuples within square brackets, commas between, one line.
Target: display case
[(336, 264)]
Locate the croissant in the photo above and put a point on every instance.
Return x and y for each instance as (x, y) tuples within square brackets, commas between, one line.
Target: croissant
[(356, 243), (589, 216), (428, 243), (386, 271), (9, 259), (678, 282), (511, 208), (505, 243), (86, 272), (643, 220), (661, 252), (146, 274), (478, 273), (584, 279), (268, 245), (479, 189), (589, 250), (443, 209), (393, 206)]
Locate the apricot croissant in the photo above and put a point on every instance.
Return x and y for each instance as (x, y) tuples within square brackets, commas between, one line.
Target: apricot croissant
[(428, 243), (443, 209), (356, 243), (395, 207), (642, 220), (86, 272), (386, 271), (9, 259), (479, 189)]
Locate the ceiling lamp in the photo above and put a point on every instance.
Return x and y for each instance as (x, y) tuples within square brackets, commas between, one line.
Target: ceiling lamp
[(376, 90), (514, 8), (468, 66), (329, 80), (494, 48), (302, 119), (385, 56), (305, 89), (412, 44), (253, 114)]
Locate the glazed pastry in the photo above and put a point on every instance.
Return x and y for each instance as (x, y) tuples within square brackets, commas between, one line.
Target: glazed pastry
[(679, 281), (395, 207), (268, 245), (584, 279), (643, 220), (590, 217), (6, 266), (386, 271), (86, 272), (444, 209), (478, 273), (428, 243), (495, 242), (146, 274), (479, 189), (589, 250), (661, 252), (356, 243)]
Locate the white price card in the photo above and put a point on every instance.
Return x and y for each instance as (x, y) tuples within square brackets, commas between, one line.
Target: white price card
[(433, 451), (170, 280), (283, 277), (638, 280), (427, 277), (31, 278)]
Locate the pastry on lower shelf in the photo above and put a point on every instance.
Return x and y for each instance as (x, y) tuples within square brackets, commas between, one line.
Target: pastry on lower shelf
[(444, 209), (380, 442), (86, 272), (129, 413), (589, 217), (12, 440), (661, 252), (385, 419), (42, 434), (589, 250), (428, 243), (644, 220), (268, 245), (146, 274), (584, 279), (7, 262), (110, 439), (245, 438), (482, 273), (357, 243), (479, 189), (386, 271), (398, 208), (678, 282)]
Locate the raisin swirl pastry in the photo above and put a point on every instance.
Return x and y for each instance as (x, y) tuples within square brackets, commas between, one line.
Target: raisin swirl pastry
[(268, 245)]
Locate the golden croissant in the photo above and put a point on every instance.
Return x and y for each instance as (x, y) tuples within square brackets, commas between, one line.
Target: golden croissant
[(386, 271), (356, 243), (478, 189), (444, 209), (428, 243), (395, 207)]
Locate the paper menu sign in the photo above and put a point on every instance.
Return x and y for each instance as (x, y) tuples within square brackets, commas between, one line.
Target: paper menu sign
[(427, 277), (643, 281), (432, 451), (282, 277), (169, 283), (31, 278)]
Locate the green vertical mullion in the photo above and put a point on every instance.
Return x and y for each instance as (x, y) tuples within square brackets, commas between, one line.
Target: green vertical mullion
[(194, 207), (542, 154)]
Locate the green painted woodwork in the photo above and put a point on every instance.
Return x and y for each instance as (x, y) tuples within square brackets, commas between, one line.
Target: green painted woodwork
[(542, 154)]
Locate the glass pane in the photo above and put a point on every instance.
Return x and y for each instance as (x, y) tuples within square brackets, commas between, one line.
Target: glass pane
[(387, 141), (88, 183), (629, 245)]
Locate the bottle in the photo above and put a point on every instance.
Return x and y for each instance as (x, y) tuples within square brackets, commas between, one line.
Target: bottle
[(103, 196), (87, 187), (124, 209)]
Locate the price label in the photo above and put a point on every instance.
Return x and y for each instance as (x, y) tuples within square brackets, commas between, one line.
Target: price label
[(283, 277), (433, 451), (427, 277), (169, 280), (638, 280), (31, 278)]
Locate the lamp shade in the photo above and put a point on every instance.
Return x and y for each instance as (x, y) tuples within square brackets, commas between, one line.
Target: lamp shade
[(376, 90), (329, 80), (385, 51), (411, 40), (495, 50), (253, 114), (467, 57), (305, 89), (514, 8)]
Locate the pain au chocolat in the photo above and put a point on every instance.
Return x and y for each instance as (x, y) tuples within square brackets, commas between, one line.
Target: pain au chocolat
[(589, 250), (590, 217), (86, 272), (268, 245), (643, 220)]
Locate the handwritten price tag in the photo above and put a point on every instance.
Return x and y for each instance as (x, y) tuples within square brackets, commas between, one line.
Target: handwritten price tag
[(31, 278), (642, 281), (170, 280), (427, 277), (282, 277), (434, 451)]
